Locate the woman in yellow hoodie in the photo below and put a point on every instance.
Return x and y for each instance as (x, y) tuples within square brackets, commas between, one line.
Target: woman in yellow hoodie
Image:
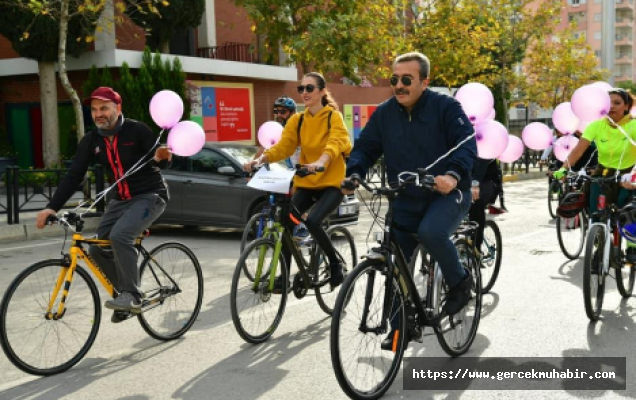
[(324, 142)]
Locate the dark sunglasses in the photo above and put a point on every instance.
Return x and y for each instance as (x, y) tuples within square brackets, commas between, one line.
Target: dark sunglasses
[(406, 80), (310, 88), (280, 112)]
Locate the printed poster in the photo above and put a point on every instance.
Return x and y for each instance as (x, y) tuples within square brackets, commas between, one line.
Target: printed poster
[(356, 117), (224, 110)]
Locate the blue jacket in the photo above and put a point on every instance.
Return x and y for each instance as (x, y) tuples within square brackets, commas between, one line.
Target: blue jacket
[(414, 140)]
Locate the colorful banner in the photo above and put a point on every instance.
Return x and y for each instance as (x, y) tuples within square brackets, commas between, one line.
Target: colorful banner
[(224, 110), (356, 117)]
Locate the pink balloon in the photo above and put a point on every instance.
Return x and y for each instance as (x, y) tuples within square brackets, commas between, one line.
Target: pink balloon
[(564, 119), (186, 138), (476, 100), (513, 151), (537, 136), (590, 103), (583, 125), (269, 134), (492, 139), (633, 111), (603, 85), (564, 146), (166, 108), (492, 115)]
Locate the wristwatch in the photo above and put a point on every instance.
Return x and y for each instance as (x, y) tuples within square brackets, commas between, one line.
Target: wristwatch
[(475, 183)]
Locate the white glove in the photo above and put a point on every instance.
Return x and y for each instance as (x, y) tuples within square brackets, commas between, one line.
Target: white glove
[(627, 178), (582, 172)]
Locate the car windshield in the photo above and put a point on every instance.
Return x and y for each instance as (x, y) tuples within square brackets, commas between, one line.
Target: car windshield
[(245, 154)]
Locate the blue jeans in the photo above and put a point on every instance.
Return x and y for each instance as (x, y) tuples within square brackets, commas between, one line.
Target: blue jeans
[(434, 219)]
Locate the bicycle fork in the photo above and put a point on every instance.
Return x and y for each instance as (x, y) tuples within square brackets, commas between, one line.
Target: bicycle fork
[(66, 277)]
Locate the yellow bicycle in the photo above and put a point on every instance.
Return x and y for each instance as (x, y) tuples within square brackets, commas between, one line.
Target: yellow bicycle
[(51, 312)]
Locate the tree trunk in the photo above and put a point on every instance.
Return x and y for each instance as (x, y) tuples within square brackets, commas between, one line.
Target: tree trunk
[(77, 105), (164, 47), (50, 126)]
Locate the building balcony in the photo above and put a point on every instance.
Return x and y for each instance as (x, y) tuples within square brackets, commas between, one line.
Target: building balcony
[(627, 77), (625, 5), (230, 51), (625, 23), (624, 60), (624, 41)]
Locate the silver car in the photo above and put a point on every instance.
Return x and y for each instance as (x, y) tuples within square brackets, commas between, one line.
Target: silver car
[(210, 189)]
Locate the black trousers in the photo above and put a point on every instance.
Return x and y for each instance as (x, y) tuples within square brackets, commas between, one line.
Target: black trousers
[(477, 210)]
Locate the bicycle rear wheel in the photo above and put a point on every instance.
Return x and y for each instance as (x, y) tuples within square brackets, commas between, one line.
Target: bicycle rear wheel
[(456, 333), (625, 273), (593, 277), (363, 369), (571, 234), (172, 282), (46, 346), (345, 247), (491, 248), (256, 309), (555, 192)]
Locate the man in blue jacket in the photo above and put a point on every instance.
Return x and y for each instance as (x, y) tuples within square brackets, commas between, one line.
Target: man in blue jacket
[(413, 129)]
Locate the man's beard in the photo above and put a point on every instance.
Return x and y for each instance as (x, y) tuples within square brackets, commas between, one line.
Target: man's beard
[(109, 124)]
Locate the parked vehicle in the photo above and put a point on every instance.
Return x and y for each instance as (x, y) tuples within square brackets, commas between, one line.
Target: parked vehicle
[(210, 189)]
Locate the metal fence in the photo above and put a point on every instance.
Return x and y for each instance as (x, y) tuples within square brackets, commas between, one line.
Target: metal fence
[(27, 190)]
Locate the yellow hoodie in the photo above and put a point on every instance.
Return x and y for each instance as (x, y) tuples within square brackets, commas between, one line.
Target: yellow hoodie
[(315, 140)]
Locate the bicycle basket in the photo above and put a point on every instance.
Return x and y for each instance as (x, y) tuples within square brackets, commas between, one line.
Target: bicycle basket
[(572, 204)]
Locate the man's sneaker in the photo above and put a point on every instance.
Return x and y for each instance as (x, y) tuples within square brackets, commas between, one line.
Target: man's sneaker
[(459, 295), (336, 275), (302, 231), (124, 302), (119, 316), (630, 254)]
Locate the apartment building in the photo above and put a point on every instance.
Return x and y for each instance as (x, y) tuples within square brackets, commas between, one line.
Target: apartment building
[(589, 17)]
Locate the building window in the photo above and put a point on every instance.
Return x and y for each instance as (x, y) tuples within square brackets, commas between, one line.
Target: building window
[(597, 53), (597, 17), (597, 35)]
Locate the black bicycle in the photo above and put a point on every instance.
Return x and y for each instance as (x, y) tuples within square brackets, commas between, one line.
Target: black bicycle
[(603, 253), (381, 290), (571, 230)]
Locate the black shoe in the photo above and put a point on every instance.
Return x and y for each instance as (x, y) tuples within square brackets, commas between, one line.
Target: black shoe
[(630, 254), (459, 295), (387, 343), (336, 275), (278, 285), (119, 316)]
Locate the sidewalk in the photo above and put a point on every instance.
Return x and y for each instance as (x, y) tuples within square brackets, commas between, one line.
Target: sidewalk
[(26, 230)]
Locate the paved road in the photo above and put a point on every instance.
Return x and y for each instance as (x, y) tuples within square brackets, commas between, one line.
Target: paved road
[(535, 310)]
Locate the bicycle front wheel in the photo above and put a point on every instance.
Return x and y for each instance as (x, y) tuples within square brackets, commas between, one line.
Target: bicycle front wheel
[(363, 369), (345, 247), (571, 234), (172, 283), (593, 277), (554, 196), (256, 308), (457, 332), (41, 344), (491, 248), (625, 272)]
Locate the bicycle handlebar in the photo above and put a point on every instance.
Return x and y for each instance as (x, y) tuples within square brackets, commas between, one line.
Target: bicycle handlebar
[(419, 179)]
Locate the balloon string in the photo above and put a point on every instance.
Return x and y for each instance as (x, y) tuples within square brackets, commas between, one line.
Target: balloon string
[(136, 167), (450, 151)]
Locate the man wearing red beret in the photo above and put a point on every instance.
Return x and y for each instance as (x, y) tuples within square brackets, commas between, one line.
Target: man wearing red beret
[(136, 199)]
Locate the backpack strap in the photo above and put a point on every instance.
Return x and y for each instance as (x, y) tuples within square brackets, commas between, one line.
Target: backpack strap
[(300, 123)]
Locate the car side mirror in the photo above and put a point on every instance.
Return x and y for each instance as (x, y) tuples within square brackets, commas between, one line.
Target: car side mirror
[(227, 170)]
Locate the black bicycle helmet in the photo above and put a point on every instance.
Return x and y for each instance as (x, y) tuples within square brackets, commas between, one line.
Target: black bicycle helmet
[(627, 222), (286, 102), (572, 204)]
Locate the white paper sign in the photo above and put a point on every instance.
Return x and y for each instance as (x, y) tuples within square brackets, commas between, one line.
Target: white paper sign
[(272, 181)]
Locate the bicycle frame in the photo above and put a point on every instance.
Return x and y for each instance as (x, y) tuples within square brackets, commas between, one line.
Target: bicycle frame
[(277, 231)]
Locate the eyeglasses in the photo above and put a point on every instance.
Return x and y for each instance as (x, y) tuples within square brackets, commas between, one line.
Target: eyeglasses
[(310, 88), (280, 112), (406, 80)]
